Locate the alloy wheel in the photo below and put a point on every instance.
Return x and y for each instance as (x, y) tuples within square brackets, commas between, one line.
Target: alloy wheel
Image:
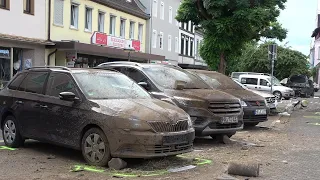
[(94, 148), (9, 131), (277, 95)]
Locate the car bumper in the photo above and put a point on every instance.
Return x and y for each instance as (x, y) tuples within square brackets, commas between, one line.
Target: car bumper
[(152, 145), (249, 115), (288, 94)]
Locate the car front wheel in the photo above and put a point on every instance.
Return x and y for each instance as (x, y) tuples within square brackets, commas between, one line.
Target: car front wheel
[(278, 95), (11, 134), (95, 147)]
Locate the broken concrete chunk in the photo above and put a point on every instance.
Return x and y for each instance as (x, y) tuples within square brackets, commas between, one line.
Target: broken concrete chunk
[(250, 170), (226, 140), (226, 177), (117, 164)]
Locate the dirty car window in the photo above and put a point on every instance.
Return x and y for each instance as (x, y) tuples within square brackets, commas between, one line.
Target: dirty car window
[(220, 81), (166, 77), (98, 85)]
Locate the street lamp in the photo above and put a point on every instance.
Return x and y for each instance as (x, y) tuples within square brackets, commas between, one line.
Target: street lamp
[(129, 50)]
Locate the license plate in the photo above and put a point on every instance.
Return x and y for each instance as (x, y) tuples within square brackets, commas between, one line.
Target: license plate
[(229, 120), (260, 112), (178, 139)]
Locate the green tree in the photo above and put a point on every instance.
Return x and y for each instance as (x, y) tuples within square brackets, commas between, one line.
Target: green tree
[(229, 24), (289, 62)]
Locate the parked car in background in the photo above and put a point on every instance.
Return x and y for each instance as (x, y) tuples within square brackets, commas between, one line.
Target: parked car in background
[(235, 75), (213, 112), (254, 106), (102, 113), (270, 98), (263, 83), (301, 85)]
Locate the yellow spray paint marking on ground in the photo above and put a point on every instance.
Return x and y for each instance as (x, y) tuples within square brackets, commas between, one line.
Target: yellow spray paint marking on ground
[(317, 113), (315, 124), (77, 168), (312, 117), (7, 148)]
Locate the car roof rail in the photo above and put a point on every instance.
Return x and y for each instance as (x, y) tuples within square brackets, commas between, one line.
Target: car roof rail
[(50, 67), (106, 68), (120, 62)]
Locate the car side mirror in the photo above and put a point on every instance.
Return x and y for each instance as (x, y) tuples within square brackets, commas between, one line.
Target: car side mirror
[(68, 96), (268, 84), (144, 85)]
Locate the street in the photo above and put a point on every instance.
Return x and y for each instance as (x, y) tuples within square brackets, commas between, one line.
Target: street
[(285, 148)]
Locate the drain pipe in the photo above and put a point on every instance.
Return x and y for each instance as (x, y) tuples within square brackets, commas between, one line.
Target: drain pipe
[(49, 56), (49, 21)]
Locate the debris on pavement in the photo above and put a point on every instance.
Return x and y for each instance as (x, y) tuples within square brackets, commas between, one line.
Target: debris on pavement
[(226, 177), (285, 162), (179, 169), (250, 170), (117, 164)]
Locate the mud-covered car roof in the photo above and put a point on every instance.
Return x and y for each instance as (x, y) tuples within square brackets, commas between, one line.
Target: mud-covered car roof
[(70, 70)]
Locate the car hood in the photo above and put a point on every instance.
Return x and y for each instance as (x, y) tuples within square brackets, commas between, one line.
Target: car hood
[(208, 95), (140, 109), (282, 88), (244, 94), (263, 94)]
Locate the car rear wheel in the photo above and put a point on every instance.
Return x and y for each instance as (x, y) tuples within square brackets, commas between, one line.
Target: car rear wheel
[(277, 94), (11, 134), (95, 147)]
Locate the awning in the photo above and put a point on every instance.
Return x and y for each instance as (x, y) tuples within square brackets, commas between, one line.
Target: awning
[(98, 50), (25, 39)]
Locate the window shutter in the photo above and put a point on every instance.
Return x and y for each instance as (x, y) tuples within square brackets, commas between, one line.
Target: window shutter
[(58, 12)]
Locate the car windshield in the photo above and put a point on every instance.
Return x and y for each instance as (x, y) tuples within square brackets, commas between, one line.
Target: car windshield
[(166, 77), (217, 81), (298, 79), (101, 85), (276, 81)]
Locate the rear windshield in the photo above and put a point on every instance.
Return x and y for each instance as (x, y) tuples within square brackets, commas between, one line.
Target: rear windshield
[(218, 81), (99, 85), (298, 79), (167, 76)]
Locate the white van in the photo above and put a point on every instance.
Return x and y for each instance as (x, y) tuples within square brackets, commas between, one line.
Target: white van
[(263, 83), (235, 75)]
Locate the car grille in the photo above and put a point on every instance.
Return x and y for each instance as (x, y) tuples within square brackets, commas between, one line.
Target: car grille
[(256, 103), (159, 149), (160, 126), (225, 108), (271, 100), (216, 125)]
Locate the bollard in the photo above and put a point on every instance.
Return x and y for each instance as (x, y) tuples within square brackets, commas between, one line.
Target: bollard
[(250, 170)]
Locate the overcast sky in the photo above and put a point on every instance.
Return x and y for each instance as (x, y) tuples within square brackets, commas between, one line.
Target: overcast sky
[(299, 18)]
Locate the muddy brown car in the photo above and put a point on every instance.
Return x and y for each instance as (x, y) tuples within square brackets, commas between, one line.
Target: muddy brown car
[(213, 112), (102, 113), (254, 106)]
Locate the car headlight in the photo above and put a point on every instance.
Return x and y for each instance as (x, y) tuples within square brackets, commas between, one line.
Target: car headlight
[(190, 125), (243, 104), (266, 103)]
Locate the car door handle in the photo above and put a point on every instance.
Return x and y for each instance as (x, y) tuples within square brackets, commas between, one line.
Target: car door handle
[(19, 102)]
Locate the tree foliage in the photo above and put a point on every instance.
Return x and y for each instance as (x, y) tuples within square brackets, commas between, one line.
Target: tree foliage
[(229, 24), (254, 58)]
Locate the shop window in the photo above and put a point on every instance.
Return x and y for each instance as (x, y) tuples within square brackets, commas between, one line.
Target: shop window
[(88, 19), (154, 39), (161, 40), (132, 27), (34, 82), (60, 82), (74, 16), (101, 21), (187, 46), (191, 46), (169, 43), (28, 7), (170, 14), (155, 8), (112, 25), (5, 4), (58, 12), (140, 32), (122, 28), (162, 11), (182, 44)]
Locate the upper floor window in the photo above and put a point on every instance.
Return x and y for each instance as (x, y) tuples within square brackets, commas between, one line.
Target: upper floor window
[(101, 21), (162, 11), (74, 16), (122, 28), (28, 6), (5, 4), (155, 8), (191, 46), (112, 25), (132, 27), (170, 14), (176, 44), (58, 12), (88, 19), (140, 32)]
